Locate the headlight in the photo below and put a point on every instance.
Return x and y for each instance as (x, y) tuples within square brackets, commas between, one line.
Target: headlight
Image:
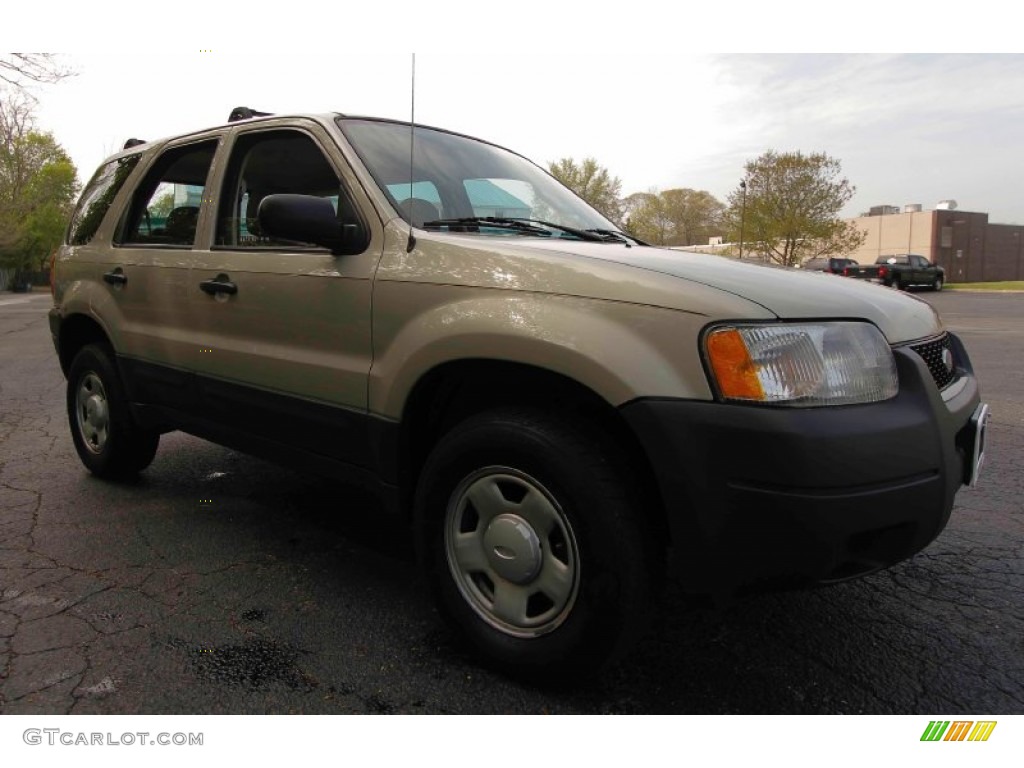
[(807, 364)]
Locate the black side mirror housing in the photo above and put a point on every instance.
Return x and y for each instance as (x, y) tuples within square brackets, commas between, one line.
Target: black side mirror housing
[(310, 219)]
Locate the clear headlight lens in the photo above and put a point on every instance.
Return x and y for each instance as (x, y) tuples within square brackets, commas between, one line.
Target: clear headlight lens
[(807, 364)]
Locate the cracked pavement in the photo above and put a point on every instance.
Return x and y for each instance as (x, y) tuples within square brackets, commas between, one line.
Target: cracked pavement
[(218, 583)]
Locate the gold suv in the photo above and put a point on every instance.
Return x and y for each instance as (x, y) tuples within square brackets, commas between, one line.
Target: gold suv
[(566, 415)]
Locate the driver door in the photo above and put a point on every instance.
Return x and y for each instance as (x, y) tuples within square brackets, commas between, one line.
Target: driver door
[(286, 348)]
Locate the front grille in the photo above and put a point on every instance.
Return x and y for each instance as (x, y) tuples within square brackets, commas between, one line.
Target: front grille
[(932, 352)]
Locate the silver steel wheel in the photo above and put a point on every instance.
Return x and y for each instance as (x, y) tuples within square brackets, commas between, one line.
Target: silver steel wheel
[(92, 412), (512, 552)]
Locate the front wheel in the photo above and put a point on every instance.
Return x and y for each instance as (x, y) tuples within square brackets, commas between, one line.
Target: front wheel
[(528, 531), (108, 442), (937, 285)]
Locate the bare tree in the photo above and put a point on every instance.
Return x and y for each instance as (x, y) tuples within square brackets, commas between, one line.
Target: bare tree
[(15, 119), (20, 70), (15, 125)]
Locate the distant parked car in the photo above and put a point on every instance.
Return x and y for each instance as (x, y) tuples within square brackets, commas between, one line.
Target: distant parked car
[(834, 266), (901, 271)]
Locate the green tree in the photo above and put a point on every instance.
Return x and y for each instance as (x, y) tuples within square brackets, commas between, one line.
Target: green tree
[(38, 188), (53, 192), (645, 217), (674, 216), (162, 205), (791, 210), (591, 182)]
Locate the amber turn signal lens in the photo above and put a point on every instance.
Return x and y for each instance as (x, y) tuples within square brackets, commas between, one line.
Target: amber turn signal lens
[(735, 371)]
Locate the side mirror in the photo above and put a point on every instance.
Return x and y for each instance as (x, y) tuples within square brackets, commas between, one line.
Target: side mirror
[(310, 219)]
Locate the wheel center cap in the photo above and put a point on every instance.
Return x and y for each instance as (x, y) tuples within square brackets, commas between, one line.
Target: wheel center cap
[(513, 549), (96, 410)]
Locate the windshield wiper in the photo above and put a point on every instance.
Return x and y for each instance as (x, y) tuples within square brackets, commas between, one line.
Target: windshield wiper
[(472, 224), (525, 226), (617, 236)]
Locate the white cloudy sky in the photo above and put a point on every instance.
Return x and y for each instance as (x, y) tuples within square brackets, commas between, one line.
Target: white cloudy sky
[(908, 128)]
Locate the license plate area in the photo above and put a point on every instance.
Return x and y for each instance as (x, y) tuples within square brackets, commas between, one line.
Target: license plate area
[(975, 444)]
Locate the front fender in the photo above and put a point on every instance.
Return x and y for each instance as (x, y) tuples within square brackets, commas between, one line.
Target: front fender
[(618, 350)]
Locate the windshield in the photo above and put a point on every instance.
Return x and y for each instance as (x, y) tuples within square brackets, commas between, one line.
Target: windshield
[(455, 178)]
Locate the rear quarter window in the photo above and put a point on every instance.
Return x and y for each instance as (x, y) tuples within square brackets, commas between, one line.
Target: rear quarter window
[(99, 193)]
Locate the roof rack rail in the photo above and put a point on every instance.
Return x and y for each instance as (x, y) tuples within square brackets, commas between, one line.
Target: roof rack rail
[(244, 113), (133, 143)]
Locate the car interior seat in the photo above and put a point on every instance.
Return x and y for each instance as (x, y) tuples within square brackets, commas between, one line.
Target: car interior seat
[(416, 210), (180, 227)]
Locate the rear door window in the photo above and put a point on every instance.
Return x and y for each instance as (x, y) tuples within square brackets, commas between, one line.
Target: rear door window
[(165, 208)]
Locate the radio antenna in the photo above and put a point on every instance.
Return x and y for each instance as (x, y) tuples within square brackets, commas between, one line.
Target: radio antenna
[(412, 141)]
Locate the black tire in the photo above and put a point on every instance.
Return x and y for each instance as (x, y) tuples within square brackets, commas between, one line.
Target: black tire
[(937, 285), (108, 442), (896, 284), (576, 594)]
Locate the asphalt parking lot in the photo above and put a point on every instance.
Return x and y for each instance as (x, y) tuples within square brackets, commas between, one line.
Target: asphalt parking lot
[(221, 584)]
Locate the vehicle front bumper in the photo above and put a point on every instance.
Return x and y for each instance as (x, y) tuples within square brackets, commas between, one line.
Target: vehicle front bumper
[(775, 495)]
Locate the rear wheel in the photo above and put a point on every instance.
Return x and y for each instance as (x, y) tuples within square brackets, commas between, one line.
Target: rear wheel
[(528, 530), (937, 285), (896, 283), (108, 442)]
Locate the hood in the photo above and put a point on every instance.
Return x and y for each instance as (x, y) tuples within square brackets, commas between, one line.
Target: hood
[(789, 294), (697, 283)]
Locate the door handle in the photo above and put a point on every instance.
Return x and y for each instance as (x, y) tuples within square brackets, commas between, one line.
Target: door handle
[(219, 284), (115, 277)]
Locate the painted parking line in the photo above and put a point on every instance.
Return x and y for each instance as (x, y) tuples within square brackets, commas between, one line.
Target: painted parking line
[(23, 300)]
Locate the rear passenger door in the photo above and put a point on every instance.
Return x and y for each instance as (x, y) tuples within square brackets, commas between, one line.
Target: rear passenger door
[(148, 278), (285, 347)]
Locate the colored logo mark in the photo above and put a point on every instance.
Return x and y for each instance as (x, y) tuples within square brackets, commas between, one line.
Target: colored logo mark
[(958, 730)]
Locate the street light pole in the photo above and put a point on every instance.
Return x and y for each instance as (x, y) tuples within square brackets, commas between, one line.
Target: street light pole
[(743, 214)]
